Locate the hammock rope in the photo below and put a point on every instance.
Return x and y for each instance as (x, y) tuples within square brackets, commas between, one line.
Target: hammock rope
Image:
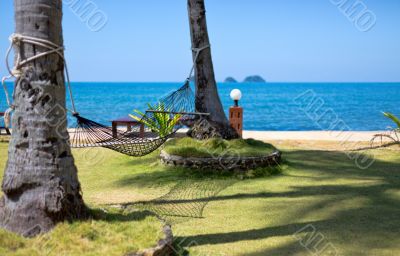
[(163, 120), (88, 133)]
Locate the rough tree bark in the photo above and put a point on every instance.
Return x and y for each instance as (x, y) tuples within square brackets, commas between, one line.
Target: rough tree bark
[(40, 183), (207, 98)]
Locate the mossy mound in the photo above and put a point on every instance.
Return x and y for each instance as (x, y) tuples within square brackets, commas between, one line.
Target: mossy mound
[(188, 147)]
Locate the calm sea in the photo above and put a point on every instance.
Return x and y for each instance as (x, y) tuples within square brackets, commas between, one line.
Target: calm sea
[(271, 106)]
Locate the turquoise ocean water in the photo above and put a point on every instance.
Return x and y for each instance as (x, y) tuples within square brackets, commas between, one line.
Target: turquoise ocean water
[(270, 106)]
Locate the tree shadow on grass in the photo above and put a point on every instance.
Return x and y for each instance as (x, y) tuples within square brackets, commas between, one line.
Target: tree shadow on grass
[(118, 215), (371, 225), (161, 175)]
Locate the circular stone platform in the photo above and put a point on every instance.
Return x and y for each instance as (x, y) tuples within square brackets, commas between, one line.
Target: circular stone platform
[(221, 162)]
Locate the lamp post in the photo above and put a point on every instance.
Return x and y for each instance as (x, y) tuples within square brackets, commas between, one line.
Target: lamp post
[(236, 112)]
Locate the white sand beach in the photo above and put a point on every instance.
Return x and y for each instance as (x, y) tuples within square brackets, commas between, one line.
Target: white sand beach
[(342, 136)]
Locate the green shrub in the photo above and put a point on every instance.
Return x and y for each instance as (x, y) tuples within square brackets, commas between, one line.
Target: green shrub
[(163, 123)]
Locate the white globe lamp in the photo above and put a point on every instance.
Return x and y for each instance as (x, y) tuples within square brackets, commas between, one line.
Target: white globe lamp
[(236, 95)]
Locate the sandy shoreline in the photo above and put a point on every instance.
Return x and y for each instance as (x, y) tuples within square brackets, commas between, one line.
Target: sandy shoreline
[(342, 136)]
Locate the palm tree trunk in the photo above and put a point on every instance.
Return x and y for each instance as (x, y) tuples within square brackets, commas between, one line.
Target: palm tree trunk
[(40, 183), (207, 98)]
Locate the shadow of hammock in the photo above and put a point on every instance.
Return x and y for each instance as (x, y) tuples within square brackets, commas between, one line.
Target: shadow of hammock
[(187, 199)]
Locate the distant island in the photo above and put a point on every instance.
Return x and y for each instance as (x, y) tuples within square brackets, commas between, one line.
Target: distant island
[(249, 79), (230, 80), (254, 79)]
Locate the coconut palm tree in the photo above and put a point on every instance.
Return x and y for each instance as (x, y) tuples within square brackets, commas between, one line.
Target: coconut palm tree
[(40, 183), (207, 98)]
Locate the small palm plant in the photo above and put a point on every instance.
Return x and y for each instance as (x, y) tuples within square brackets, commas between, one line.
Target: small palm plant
[(392, 135), (160, 119)]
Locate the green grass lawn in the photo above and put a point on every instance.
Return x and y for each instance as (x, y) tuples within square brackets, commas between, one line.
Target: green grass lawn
[(320, 194), (110, 232)]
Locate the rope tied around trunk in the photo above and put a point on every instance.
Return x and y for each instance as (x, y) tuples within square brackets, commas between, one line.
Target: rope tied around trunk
[(197, 51), (17, 40)]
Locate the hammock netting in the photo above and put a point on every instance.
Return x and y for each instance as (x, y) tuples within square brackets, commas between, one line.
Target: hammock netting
[(187, 199), (162, 120)]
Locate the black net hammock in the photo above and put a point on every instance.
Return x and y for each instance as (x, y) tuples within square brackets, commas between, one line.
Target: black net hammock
[(161, 120)]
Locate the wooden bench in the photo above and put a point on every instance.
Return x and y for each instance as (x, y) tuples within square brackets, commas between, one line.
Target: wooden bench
[(129, 123), (1, 127)]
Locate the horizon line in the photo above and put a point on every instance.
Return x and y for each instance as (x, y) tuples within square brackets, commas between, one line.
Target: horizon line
[(267, 82)]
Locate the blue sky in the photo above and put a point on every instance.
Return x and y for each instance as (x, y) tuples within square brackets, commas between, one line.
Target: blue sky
[(282, 40)]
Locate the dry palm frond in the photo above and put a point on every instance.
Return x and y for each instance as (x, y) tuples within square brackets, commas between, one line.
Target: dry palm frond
[(383, 140), (389, 138)]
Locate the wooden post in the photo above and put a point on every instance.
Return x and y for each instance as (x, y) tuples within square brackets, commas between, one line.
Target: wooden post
[(236, 119), (141, 130), (114, 129)]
